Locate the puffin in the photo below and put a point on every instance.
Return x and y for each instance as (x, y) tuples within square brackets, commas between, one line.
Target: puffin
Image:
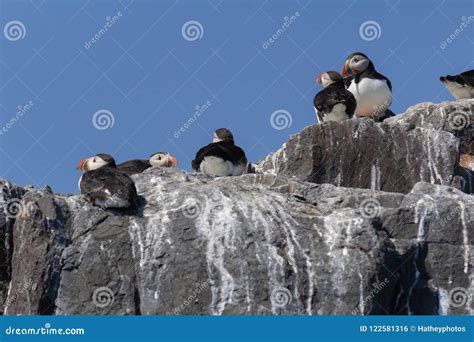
[(221, 157), (372, 90), (135, 166), (334, 102), (460, 86), (105, 186)]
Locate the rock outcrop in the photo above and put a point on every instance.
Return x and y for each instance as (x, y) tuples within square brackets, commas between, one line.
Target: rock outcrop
[(421, 145), (266, 244)]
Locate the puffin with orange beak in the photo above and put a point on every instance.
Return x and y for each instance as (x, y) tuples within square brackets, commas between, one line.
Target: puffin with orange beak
[(372, 90), (160, 159), (105, 186), (334, 102)]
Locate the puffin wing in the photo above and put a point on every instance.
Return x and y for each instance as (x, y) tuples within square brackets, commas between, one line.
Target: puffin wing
[(467, 77), (135, 166), (378, 75), (325, 100), (107, 181)]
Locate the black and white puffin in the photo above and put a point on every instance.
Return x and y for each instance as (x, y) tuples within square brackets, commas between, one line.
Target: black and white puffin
[(162, 159), (334, 102), (460, 86), (372, 90), (222, 157), (104, 185)]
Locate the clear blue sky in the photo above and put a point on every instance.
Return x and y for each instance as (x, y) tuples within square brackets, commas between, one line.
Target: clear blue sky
[(151, 78)]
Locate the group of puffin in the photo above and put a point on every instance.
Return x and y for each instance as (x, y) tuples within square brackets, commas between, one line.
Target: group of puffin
[(360, 90), (108, 185), (363, 91)]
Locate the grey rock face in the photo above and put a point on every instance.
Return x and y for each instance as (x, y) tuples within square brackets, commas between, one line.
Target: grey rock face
[(255, 244), (421, 145), (390, 235)]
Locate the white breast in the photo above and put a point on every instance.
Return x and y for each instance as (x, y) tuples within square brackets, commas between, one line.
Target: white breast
[(372, 95), (215, 166), (460, 91), (338, 113)]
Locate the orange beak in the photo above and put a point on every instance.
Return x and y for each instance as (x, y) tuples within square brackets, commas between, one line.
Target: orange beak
[(344, 70), (318, 79), (81, 165), (173, 162)]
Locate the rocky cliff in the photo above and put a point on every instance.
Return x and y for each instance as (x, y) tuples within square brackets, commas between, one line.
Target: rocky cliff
[(347, 218)]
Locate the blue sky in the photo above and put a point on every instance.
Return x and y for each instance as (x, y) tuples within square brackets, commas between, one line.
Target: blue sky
[(148, 74)]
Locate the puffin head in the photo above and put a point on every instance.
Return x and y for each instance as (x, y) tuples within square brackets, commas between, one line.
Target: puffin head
[(356, 63), (223, 134), (163, 159), (328, 78), (96, 162)]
